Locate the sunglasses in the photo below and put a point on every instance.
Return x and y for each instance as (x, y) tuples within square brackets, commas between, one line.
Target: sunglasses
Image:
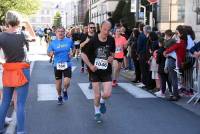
[(92, 27)]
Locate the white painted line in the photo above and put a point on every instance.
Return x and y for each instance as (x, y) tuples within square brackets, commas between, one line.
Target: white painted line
[(135, 91), (73, 68), (47, 92), (11, 127), (32, 65), (87, 92)]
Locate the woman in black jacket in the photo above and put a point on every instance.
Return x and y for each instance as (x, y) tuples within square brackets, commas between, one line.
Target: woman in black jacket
[(132, 41)]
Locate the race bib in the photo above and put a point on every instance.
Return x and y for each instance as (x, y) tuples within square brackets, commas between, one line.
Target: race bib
[(61, 66), (118, 50), (101, 63), (77, 42), (53, 37)]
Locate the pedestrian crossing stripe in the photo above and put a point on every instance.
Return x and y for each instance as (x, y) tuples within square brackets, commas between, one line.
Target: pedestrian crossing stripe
[(87, 92), (135, 91), (73, 68), (47, 92)]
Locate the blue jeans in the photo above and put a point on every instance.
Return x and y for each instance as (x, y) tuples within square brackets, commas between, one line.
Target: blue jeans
[(22, 93), (130, 63)]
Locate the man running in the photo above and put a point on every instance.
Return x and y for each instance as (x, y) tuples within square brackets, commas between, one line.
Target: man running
[(85, 39), (98, 55), (51, 37), (76, 37), (61, 48)]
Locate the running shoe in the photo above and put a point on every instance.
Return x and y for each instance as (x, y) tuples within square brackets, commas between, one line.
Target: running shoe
[(8, 120), (60, 100), (82, 69), (65, 95), (160, 94), (103, 108), (90, 86), (97, 118), (114, 83)]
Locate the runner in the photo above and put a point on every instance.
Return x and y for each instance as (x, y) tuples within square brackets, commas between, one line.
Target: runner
[(86, 39), (84, 35), (61, 48), (76, 37), (98, 55), (51, 37), (16, 71), (120, 44)]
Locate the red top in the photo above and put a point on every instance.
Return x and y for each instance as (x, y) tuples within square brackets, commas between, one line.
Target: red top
[(120, 43), (180, 49)]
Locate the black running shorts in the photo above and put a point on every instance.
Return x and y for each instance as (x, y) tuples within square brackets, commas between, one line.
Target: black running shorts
[(95, 77), (119, 59), (77, 46), (59, 73)]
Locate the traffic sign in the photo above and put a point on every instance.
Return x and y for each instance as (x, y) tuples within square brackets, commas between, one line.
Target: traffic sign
[(152, 1)]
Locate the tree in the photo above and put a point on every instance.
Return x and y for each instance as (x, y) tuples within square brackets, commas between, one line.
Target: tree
[(117, 14), (57, 19), (128, 18), (86, 18), (26, 7)]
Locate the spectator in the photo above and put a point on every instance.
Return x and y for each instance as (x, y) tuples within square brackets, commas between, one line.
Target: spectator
[(180, 49), (144, 55), (153, 46), (132, 42), (161, 65)]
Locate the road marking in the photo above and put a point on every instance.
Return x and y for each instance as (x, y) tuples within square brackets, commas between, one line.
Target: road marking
[(135, 91), (73, 68), (87, 92), (47, 92)]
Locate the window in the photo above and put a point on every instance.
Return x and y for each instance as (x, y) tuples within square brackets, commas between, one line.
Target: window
[(181, 13), (198, 18)]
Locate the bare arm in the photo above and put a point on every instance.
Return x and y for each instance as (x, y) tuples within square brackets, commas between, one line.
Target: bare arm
[(50, 54), (84, 43), (88, 63)]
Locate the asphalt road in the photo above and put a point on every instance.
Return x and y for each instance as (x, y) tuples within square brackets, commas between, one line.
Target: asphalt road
[(127, 112)]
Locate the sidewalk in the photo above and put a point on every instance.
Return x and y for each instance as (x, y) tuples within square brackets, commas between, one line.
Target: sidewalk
[(130, 75)]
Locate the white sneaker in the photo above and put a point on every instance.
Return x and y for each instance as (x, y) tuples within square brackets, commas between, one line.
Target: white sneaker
[(160, 94), (8, 120), (177, 71), (140, 85)]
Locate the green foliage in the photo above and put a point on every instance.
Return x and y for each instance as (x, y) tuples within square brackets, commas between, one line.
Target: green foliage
[(57, 19), (128, 18), (26, 7), (117, 14), (86, 18)]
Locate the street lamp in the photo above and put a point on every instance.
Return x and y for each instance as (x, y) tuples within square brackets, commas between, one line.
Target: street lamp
[(170, 14), (144, 13)]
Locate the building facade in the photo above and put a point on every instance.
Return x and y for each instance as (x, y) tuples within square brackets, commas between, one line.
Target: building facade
[(98, 9), (172, 13), (83, 7), (44, 17)]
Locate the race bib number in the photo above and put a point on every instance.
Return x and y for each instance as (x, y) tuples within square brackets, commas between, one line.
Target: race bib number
[(61, 66), (53, 37), (118, 50), (76, 42), (101, 63)]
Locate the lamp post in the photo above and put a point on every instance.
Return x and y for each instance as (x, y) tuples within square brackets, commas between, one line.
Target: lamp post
[(170, 14)]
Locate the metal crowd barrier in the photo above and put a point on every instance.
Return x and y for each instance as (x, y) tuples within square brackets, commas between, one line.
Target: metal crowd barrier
[(196, 82)]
